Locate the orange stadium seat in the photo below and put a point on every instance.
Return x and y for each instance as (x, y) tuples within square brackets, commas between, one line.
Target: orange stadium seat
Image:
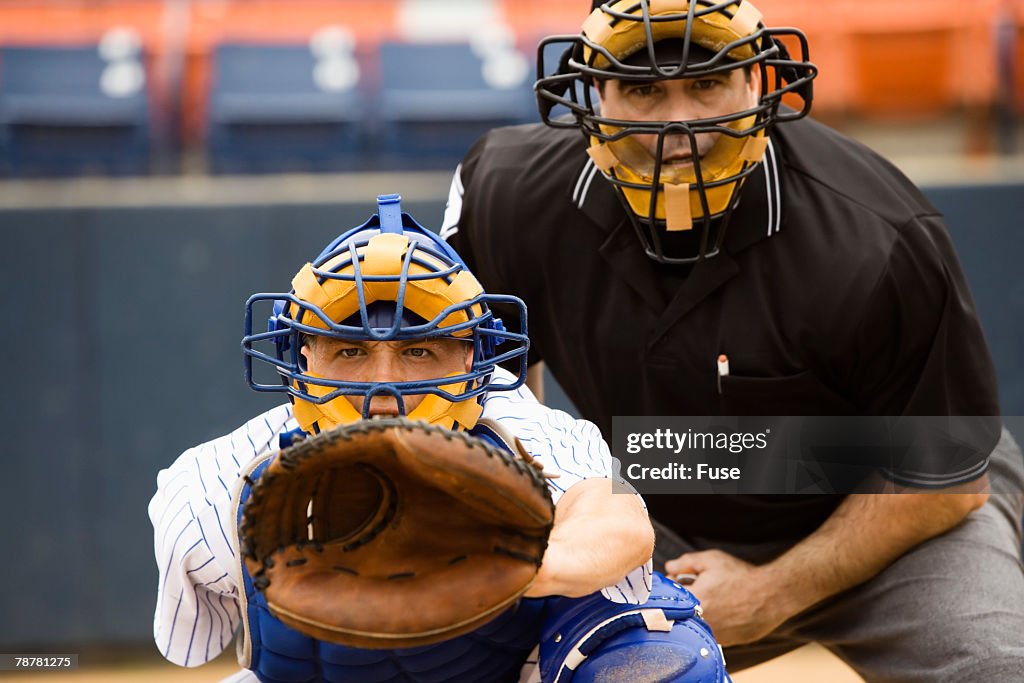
[(877, 59), (1015, 13), (919, 58), (827, 47), (534, 19)]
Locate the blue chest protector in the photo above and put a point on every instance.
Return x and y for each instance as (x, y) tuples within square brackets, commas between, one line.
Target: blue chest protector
[(493, 653)]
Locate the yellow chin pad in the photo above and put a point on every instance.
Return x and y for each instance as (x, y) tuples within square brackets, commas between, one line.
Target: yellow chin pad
[(384, 255), (631, 162), (432, 409), (678, 215), (622, 38), (438, 411), (337, 411)]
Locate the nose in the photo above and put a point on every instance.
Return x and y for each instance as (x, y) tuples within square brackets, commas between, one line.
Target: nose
[(384, 404), (678, 104), (676, 144), (384, 368)]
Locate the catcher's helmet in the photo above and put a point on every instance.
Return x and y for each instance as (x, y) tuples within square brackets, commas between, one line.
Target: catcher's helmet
[(650, 40), (387, 280)]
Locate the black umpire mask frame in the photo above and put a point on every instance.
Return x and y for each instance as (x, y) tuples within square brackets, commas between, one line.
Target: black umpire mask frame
[(570, 85)]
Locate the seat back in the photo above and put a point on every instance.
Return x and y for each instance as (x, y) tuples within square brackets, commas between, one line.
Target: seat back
[(73, 109)]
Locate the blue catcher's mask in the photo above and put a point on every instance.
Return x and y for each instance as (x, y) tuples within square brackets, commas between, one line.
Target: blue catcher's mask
[(387, 280)]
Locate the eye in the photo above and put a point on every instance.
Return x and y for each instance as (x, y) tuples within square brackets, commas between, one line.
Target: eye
[(642, 90), (705, 84), (417, 351), (350, 352)]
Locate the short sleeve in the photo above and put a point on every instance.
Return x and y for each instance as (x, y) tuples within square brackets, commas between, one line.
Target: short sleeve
[(920, 351), (572, 449)]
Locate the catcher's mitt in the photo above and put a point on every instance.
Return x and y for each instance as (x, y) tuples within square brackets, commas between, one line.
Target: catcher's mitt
[(390, 533)]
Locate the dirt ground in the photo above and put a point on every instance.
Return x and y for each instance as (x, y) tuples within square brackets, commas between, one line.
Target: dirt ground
[(810, 664)]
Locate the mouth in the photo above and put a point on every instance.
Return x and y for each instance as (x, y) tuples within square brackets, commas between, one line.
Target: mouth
[(679, 160), (382, 412)]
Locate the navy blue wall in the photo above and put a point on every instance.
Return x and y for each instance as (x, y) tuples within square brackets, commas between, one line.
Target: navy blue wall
[(987, 225), (121, 350)]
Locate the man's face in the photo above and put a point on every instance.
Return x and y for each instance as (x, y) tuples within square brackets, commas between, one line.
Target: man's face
[(683, 99), (395, 361)]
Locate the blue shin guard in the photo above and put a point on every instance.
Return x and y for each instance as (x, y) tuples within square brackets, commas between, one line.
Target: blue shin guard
[(664, 640)]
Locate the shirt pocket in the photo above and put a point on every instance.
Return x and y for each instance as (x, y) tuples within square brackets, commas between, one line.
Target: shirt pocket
[(798, 394)]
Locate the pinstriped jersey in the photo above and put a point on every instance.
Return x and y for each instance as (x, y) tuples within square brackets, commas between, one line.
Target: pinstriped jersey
[(197, 609)]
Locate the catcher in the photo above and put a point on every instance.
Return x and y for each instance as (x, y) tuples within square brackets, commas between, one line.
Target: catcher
[(387, 348)]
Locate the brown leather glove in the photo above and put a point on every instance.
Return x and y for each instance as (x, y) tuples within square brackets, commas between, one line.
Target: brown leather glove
[(389, 533)]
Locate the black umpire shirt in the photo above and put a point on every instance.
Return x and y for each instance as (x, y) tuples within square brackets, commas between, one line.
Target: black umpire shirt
[(837, 292)]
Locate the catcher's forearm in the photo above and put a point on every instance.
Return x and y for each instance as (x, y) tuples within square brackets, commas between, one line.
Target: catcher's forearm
[(598, 538), (863, 536)]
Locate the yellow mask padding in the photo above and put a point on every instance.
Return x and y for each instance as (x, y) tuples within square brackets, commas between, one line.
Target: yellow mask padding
[(339, 411), (712, 31), (604, 158), (677, 208), (384, 255), (634, 163), (306, 282), (745, 19), (753, 148), (438, 411)]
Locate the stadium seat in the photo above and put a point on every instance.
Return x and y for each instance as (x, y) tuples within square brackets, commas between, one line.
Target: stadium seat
[(435, 99), (1014, 60), (68, 110), (928, 58), (533, 19), (284, 107), (264, 22)]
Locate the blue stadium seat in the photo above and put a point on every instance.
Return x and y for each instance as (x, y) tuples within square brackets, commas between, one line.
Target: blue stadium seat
[(67, 110), (277, 108), (435, 100)]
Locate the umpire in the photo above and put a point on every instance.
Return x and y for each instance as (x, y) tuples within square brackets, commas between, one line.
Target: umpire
[(685, 224)]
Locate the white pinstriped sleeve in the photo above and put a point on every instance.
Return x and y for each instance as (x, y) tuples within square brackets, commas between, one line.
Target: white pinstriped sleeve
[(573, 449), (197, 610)]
